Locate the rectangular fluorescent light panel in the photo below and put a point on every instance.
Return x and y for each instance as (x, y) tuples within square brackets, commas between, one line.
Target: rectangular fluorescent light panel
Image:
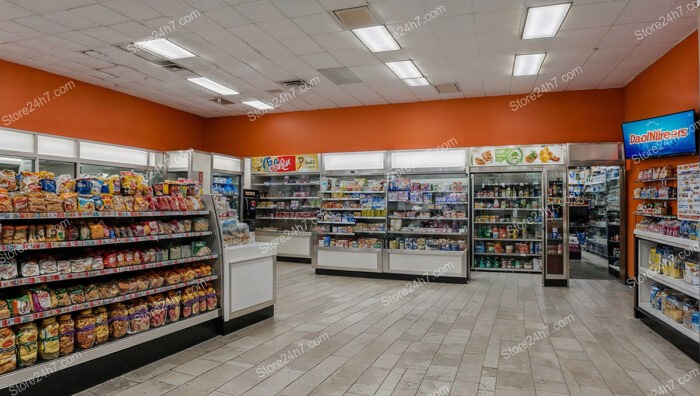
[(544, 21), (164, 48), (528, 65), (404, 69), (417, 82), (212, 86), (258, 105), (377, 38)]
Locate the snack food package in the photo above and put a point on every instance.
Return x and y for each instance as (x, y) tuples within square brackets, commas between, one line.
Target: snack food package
[(118, 320), (70, 202), (66, 334), (63, 298), (27, 336), (30, 268), (212, 300), (138, 316), (99, 203), (41, 299), (86, 204), (97, 230), (202, 299), (107, 203), (8, 269), (20, 202), (118, 203), (85, 329), (21, 305), (130, 182), (113, 184), (49, 346), (157, 309), (200, 224), (83, 186), (91, 292), (173, 306), (101, 325), (65, 184), (5, 202), (4, 310), (8, 180), (140, 204), (29, 182), (77, 296), (8, 351), (48, 265)]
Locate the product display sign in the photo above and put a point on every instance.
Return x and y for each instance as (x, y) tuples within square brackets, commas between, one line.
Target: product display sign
[(518, 155), (669, 135), (285, 163), (689, 192)]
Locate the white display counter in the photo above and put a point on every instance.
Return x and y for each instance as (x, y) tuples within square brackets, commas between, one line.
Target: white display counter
[(249, 280), (296, 245)]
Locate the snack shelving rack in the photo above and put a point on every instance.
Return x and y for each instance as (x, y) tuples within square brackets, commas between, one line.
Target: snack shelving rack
[(137, 349)]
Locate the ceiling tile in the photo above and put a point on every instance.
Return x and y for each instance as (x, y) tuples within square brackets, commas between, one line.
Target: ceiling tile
[(398, 12), (227, 17), (271, 49), (301, 46), (206, 5), (43, 7), (134, 9), (448, 8), (299, 8), (250, 33), (281, 29), (645, 11), (338, 41), (12, 11), (501, 20), (70, 19), (354, 57), (457, 26), (497, 5), (100, 14), (321, 60), (582, 16), (42, 24), (259, 11), (318, 24)]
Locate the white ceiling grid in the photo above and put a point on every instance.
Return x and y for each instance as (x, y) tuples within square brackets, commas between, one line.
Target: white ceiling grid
[(251, 46)]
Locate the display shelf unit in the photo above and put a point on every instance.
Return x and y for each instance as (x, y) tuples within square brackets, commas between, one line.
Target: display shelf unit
[(90, 215), (613, 204), (647, 308), (596, 190), (229, 187), (428, 224), (556, 250), (104, 358), (283, 198), (507, 208), (352, 222)]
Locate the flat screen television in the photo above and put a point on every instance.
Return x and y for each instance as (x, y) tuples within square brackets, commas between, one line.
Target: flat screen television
[(668, 135)]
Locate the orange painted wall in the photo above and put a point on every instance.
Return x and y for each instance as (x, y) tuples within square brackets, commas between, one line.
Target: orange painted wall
[(577, 116), (670, 85), (90, 112)]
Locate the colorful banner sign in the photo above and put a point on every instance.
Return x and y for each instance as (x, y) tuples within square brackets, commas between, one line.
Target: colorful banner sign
[(689, 192), (285, 163), (518, 155)]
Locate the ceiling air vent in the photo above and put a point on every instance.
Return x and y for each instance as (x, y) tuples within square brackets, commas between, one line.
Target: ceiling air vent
[(274, 91), (222, 101), (355, 18), (340, 75), (294, 83), (447, 88), (172, 66)]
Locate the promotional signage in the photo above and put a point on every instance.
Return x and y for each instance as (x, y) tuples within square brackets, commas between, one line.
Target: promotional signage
[(285, 163), (518, 155), (689, 192), (669, 135)]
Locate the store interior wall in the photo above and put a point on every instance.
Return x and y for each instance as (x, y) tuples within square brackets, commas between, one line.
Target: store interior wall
[(87, 111), (670, 85), (559, 117)]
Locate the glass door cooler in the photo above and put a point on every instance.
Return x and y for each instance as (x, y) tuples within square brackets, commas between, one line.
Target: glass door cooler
[(507, 208), (228, 187), (350, 232), (556, 229), (428, 224)]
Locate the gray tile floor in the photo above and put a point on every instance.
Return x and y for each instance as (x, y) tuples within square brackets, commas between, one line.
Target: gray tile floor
[(346, 336)]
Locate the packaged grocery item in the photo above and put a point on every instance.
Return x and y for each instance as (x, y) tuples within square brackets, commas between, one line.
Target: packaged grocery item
[(173, 306), (63, 298), (20, 203), (200, 224), (113, 184), (212, 301), (118, 203), (8, 180), (21, 305), (118, 320), (130, 182), (202, 299), (99, 203), (36, 202), (96, 230), (101, 325), (48, 185), (8, 351), (48, 265), (5, 202), (27, 336), (4, 310), (85, 329), (70, 202), (108, 290), (65, 184), (140, 204), (189, 303), (63, 266), (673, 307), (66, 335), (7, 234), (41, 299), (174, 252), (141, 283), (77, 295), (8, 269), (129, 203), (86, 204), (157, 310), (91, 292), (28, 182), (200, 248), (138, 316), (49, 346), (171, 277)]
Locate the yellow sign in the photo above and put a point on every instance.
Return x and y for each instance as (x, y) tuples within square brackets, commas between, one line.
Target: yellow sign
[(285, 163)]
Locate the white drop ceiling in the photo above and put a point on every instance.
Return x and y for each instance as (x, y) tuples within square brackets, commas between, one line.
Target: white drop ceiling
[(249, 46)]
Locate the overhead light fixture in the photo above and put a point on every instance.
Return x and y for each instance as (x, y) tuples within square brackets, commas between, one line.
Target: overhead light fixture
[(404, 69), (256, 104), (544, 21), (164, 48), (417, 82), (212, 86), (377, 38), (528, 65)]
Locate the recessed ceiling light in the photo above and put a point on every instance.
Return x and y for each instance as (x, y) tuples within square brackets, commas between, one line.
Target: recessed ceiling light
[(258, 105), (417, 82), (212, 86), (528, 65), (544, 21), (377, 38), (164, 48), (404, 69)]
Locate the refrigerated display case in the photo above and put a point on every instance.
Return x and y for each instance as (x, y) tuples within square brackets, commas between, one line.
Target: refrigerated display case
[(351, 228), (556, 228), (226, 181), (428, 224), (508, 220), (289, 202)]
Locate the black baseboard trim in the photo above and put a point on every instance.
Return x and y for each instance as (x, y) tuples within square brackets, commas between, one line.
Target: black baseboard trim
[(687, 346), (556, 282), (294, 259), (82, 376), (376, 275), (614, 272), (247, 320)]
